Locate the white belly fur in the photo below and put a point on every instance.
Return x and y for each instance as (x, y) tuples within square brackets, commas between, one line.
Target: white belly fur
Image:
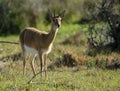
[(30, 50), (34, 51)]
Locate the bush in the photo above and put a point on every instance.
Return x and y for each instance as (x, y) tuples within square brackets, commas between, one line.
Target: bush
[(11, 18), (107, 35), (90, 63), (15, 15)]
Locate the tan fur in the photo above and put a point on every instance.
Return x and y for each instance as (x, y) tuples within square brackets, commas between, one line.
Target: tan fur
[(34, 38), (40, 41)]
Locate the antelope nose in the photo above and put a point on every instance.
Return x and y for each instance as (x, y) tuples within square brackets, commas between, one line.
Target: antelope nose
[(58, 25)]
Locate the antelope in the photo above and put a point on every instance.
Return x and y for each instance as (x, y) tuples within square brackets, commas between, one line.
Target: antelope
[(36, 42)]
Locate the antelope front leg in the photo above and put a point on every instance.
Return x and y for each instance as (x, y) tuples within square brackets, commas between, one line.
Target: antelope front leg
[(45, 64), (41, 61)]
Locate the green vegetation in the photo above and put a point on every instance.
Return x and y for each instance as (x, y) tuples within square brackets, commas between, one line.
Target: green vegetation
[(59, 79), (83, 57), (86, 80)]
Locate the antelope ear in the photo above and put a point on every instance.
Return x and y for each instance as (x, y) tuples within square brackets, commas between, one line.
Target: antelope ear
[(50, 14), (62, 13)]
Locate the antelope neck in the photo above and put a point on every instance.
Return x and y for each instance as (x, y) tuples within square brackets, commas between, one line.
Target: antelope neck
[(51, 36)]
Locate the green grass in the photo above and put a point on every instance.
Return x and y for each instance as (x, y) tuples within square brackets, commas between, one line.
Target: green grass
[(72, 79), (82, 80), (14, 38)]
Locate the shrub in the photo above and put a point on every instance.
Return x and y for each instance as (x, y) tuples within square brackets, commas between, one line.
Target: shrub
[(15, 15), (90, 63), (11, 19), (107, 12)]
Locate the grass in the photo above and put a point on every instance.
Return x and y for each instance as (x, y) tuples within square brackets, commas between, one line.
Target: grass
[(67, 79), (14, 38), (82, 80)]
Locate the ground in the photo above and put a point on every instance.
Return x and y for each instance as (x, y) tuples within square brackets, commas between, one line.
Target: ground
[(63, 78)]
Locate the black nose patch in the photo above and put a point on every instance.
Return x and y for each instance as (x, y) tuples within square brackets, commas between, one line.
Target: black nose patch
[(58, 25)]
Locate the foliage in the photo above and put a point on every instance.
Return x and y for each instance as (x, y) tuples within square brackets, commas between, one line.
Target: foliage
[(14, 16), (18, 14), (106, 36), (90, 63), (11, 19)]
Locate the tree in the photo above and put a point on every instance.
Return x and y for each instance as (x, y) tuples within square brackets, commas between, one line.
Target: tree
[(15, 15), (11, 18), (108, 11)]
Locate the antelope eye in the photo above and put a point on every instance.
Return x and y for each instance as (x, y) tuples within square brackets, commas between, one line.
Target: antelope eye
[(54, 20)]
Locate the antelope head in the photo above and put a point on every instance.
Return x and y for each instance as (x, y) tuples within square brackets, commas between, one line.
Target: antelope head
[(56, 19)]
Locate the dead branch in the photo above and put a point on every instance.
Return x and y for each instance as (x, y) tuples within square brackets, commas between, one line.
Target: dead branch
[(9, 42), (34, 77), (30, 81)]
